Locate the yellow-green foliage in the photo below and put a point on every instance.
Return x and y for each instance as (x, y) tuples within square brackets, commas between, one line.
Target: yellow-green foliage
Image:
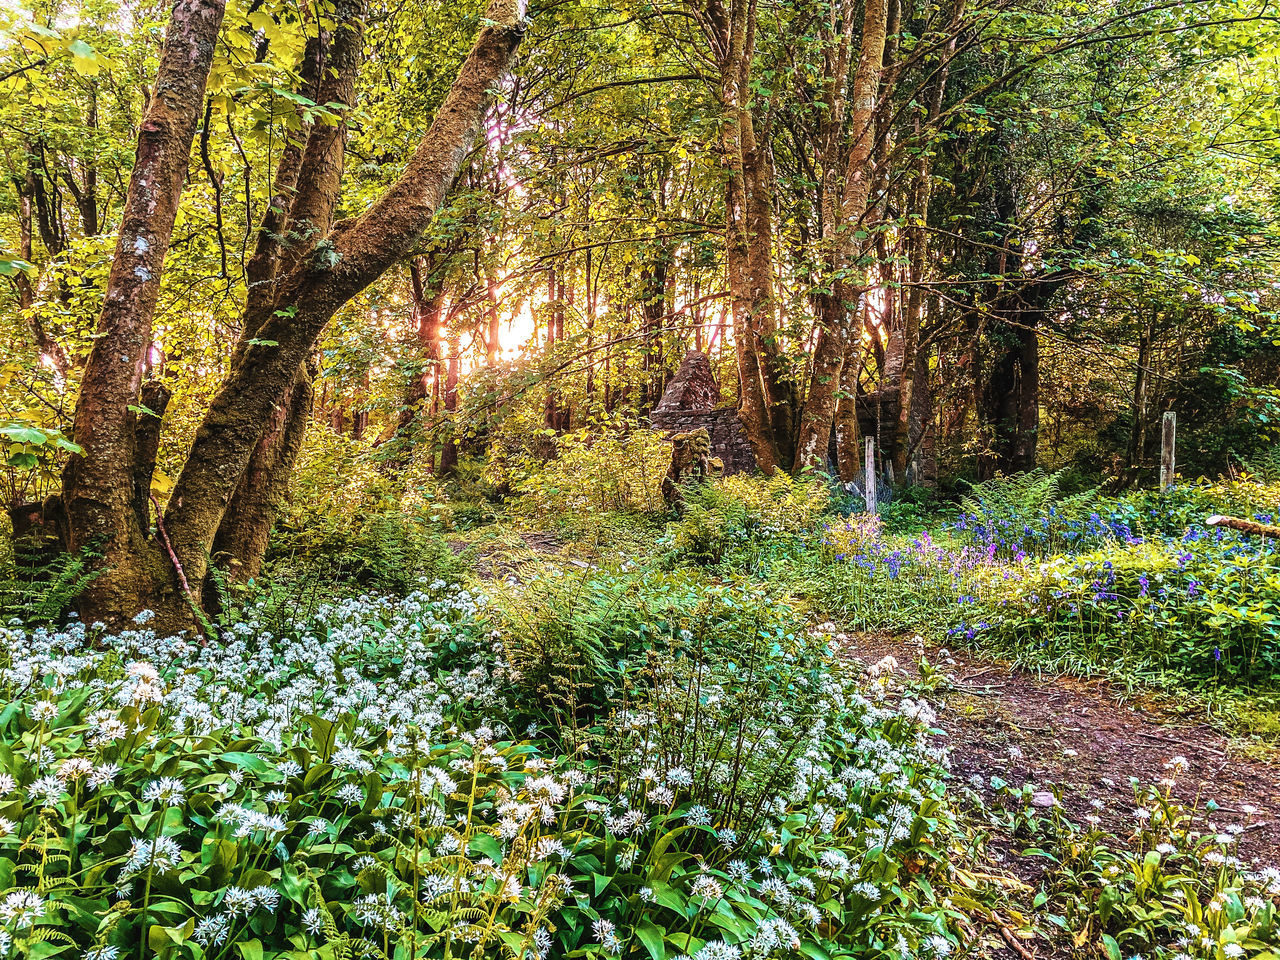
[(851, 535), (736, 512), (333, 480), (594, 473), (781, 502), (344, 517)]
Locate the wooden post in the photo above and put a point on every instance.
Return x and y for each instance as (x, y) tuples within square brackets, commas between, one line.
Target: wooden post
[(872, 506), (1168, 432)]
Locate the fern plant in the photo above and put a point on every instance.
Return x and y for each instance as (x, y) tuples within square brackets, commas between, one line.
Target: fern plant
[(39, 590), (1020, 514), (1264, 465)]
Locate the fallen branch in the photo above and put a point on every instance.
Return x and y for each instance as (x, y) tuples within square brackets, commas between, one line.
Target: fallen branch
[(1011, 939), (1245, 526)]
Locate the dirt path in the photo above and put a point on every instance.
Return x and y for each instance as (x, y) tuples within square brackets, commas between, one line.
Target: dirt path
[(1087, 737)]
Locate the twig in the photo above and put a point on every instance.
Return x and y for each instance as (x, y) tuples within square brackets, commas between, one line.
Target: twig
[(173, 558), (1155, 736), (1011, 939)]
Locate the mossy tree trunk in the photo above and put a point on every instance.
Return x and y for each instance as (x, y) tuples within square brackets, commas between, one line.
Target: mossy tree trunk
[(304, 271)]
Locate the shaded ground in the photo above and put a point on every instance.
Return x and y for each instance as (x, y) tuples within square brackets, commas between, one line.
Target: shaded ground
[(512, 555), (1086, 736)]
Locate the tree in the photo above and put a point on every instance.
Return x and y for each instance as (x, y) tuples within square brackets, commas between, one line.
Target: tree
[(303, 270)]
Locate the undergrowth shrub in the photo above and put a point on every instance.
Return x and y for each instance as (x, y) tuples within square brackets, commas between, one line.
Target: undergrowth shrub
[(345, 525), (1159, 886), (614, 470), (42, 590), (735, 519), (1189, 602), (1206, 607), (1022, 515), (382, 550), (565, 633), (353, 784)]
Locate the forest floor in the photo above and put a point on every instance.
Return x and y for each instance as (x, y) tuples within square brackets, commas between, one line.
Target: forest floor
[(1082, 738), (1089, 738), (1086, 739)]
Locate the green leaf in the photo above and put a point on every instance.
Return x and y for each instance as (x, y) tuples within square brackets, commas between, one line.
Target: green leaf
[(651, 936), (21, 434), (488, 846), (84, 59)]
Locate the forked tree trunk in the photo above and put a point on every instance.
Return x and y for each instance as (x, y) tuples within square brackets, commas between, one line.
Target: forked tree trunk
[(310, 281), (344, 262), (241, 540), (305, 193)]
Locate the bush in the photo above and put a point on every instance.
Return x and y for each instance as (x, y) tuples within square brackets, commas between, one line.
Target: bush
[(346, 524), (1206, 608), (1202, 604), (384, 551), (1160, 889), (618, 470), (1023, 515), (737, 518)]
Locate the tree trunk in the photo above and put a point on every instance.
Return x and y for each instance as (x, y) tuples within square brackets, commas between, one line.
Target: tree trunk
[(845, 221), (1138, 430), (308, 182), (449, 452), (50, 349), (922, 463), (749, 242), (427, 294), (848, 452), (1011, 398), (99, 485), (241, 541)]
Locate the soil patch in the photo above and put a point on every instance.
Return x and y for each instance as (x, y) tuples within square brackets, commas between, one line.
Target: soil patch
[(1089, 738)]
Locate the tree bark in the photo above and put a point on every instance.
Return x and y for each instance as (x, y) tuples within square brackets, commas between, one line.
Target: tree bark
[(241, 541), (842, 243), (763, 407), (308, 182), (349, 257), (449, 451), (98, 485)]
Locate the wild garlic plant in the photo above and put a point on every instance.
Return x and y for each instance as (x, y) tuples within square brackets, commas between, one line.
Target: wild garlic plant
[(1169, 886), (367, 781)]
